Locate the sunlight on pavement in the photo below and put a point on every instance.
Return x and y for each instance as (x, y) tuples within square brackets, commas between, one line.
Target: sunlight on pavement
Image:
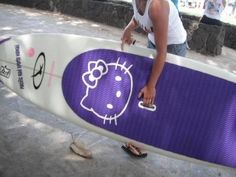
[(30, 14), (94, 25), (11, 95), (7, 28)]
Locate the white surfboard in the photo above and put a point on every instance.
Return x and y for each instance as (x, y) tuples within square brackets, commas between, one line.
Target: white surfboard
[(92, 83)]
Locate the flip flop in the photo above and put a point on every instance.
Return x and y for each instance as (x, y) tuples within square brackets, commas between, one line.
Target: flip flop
[(80, 149), (130, 150)]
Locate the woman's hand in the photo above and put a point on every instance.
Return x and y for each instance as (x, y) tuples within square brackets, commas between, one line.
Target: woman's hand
[(126, 38), (148, 94)]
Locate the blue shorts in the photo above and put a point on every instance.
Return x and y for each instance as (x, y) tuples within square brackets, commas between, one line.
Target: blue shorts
[(176, 49)]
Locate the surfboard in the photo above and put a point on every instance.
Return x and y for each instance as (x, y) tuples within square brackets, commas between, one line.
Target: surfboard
[(94, 84)]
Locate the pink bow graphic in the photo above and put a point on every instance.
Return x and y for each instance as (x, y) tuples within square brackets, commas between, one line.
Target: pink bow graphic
[(96, 69)]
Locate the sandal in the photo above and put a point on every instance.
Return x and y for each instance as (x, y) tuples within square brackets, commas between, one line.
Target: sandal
[(133, 150), (80, 149)]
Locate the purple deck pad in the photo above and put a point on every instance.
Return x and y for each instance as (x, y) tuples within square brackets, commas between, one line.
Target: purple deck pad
[(195, 114)]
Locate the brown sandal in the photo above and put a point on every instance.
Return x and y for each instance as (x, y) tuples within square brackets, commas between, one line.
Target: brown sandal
[(133, 150), (80, 149)]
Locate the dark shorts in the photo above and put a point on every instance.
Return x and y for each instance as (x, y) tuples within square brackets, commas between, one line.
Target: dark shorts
[(210, 21)]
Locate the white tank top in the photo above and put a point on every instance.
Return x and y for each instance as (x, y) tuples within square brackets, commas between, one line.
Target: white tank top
[(213, 9), (176, 32)]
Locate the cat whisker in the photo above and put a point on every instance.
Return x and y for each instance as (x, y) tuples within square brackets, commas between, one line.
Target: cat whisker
[(111, 117), (104, 120), (115, 119), (127, 70), (117, 63), (123, 66)]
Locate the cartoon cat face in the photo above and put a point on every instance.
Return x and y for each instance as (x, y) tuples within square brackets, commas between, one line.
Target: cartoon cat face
[(109, 88)]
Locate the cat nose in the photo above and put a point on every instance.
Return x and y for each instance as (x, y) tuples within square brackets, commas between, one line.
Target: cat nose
[(109, 106)]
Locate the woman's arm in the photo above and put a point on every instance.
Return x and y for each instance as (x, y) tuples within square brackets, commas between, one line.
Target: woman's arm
[(159, 14), (204, 4), (126, 37), (224, 3)]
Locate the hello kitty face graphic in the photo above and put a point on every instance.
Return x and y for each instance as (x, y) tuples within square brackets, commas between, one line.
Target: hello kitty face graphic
[(108, 89)]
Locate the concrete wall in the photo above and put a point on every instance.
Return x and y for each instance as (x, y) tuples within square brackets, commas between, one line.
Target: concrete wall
[(112, 12), (115, 13), (191, 23)]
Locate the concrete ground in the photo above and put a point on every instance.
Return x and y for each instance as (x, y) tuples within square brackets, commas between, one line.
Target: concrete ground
[(35, 143)]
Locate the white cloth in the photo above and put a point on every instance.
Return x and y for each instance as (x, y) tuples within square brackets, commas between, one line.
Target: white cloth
[(176, 32)]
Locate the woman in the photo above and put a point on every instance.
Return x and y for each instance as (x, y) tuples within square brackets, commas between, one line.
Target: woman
[(160, 19), (212, 12)]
